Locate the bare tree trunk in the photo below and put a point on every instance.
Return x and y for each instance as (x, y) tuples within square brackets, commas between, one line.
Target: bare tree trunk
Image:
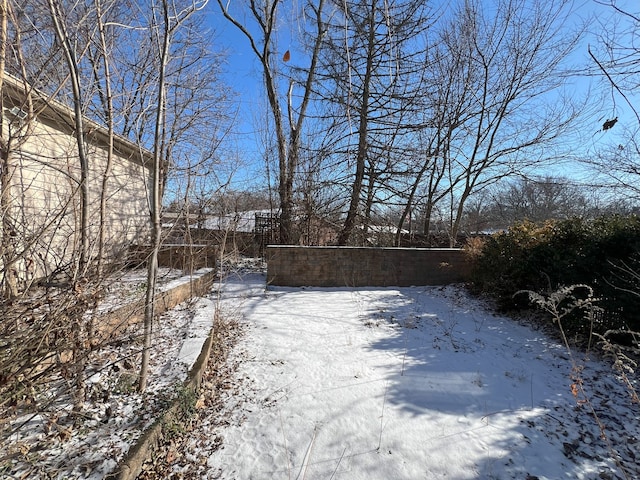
[(288, 146), (12, 244), (166, 28), (80, 268), (361, 154), (9, 281), (74, 75), (156, 199), (108, 105), (409, 204)]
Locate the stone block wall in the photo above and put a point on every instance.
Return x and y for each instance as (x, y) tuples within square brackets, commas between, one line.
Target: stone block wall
[(183, 257), (296, 266), (118, 320)]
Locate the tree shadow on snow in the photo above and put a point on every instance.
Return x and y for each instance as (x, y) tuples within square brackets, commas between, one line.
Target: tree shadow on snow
[(485, 384)]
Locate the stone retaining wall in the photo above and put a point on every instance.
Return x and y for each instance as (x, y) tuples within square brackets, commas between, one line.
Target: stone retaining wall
[(116, 321), (182, 257), (296, 266), (199, 285)]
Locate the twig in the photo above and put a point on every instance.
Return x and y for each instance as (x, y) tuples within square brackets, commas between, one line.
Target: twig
[(612, 81), (384, 401), (307, 456), (286, 448), (338, 465)]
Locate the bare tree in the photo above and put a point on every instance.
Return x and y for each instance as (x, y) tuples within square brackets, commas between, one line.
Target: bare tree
[(70, 46), (495, 63), (535, 199), (19, 240), (8, 249), (615, 58), (370, 71), (100, 59), (165, 21), (19, 236), (617, 166), (99, 44), (265, 17)]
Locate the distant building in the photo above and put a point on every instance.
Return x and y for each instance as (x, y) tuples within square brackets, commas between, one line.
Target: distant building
[(238, 221), (247, 232), (41, 194)]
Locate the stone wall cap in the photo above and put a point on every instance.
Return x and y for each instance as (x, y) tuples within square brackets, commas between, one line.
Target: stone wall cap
[(335, 247)]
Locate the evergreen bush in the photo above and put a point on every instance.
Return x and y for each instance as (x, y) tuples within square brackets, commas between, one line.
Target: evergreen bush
[(603, 252)]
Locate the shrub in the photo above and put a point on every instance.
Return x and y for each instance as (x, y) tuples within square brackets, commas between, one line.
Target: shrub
[(504, 265), (603, 253)]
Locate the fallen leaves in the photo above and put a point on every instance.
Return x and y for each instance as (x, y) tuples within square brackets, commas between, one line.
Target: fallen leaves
[(183, 452)]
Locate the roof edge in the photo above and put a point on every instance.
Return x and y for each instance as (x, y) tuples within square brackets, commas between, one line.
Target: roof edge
[(48, 109)]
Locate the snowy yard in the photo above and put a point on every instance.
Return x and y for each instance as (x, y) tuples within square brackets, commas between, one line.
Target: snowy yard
[(409, 383), (352, 383)]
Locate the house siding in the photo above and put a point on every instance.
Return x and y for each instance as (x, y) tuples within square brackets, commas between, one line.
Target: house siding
[(44, 196)]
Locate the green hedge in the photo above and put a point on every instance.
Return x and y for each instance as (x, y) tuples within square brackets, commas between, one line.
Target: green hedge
[(602, 252)]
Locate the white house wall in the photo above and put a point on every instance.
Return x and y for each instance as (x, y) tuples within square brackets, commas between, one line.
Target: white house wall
[(45, 200)]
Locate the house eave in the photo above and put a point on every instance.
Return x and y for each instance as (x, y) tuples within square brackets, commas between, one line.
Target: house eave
[(56, 114)]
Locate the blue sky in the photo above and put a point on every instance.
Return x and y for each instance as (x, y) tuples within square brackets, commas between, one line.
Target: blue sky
[(244, 76)]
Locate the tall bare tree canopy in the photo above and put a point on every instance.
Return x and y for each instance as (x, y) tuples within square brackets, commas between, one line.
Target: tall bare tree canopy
[(371, 71), (497, 78), (425, 107), (372, 105), (260, 28)]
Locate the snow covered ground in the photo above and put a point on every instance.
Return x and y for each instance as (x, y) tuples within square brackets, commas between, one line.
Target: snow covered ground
[(54, 444), (410, 383), (353, 383)]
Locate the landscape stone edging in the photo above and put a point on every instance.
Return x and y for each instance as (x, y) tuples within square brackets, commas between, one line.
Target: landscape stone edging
[(127, 315), (131, 465)]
